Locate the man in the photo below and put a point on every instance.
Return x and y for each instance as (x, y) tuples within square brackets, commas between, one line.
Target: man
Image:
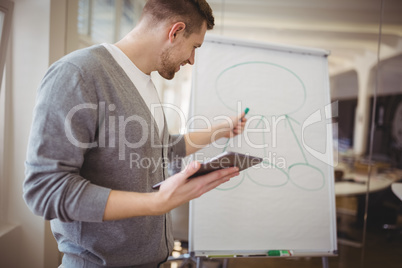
[(94, 127)]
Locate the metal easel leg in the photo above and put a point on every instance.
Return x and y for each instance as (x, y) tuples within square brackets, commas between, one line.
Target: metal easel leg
[(325, 263), (225, 263), (199, 262)]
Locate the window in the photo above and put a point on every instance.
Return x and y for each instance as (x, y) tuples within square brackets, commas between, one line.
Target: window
[(6, 8), (106, 20)]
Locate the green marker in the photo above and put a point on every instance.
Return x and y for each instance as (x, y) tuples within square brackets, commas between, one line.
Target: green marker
[(245, 112), (279, 253)]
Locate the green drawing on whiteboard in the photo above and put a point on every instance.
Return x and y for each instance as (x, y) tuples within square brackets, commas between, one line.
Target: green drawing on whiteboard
[(292, 85), (224, 94)]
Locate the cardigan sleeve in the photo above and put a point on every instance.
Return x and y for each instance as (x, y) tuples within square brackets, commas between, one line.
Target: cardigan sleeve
[(64, 128)]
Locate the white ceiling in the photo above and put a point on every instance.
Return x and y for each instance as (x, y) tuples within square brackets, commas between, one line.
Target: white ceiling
[(349, 29)]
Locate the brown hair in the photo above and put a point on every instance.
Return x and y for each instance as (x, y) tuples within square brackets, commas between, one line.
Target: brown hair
[(192, 12)]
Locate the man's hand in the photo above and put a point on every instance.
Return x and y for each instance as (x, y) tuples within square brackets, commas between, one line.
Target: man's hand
[(235, 127), (174, 192), (230, 128), (178, 189)]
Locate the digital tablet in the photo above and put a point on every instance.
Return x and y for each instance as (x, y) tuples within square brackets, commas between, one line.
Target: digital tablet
[(224, 160)]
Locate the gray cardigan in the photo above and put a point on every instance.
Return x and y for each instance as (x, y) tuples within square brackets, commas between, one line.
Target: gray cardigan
[(92, 132)]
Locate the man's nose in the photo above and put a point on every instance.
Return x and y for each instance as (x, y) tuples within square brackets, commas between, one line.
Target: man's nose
[(192, 58)]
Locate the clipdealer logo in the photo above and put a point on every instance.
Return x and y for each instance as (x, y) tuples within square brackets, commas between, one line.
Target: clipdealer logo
[(328, 156), (122, 123), (117, 138)]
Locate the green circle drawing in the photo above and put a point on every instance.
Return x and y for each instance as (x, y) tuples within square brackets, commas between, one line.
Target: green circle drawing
[(310, 166), (271, 186), (233, 108)]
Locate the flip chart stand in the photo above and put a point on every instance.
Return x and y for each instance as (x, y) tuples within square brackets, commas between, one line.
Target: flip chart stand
[(325, 263)]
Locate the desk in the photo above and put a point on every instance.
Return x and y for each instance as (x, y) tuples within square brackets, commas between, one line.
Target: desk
[(358, 188), (378, 182)]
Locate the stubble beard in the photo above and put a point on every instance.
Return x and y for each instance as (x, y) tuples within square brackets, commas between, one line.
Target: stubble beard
[(168, 69)]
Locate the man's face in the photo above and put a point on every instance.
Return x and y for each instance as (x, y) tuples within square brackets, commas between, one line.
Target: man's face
[(181, 53)]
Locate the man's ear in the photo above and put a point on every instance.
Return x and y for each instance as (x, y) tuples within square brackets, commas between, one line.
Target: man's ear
[(175, 30)]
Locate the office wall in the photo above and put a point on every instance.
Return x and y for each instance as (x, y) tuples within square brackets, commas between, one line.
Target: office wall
[(33, 34)]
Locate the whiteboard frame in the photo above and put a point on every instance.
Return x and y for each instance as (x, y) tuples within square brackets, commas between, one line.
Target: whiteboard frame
[(210, 38)]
